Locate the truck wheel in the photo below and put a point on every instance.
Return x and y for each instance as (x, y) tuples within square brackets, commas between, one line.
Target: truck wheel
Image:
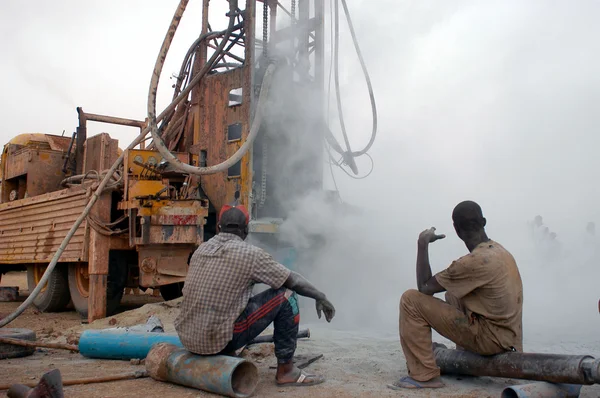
[(172, 291), (79, 285), (55, 295), (16, 351)]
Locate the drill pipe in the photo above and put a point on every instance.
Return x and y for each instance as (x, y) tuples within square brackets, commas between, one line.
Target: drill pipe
[(553, 368), (220, 374), (542, 390), (302, 334), (121, 344)]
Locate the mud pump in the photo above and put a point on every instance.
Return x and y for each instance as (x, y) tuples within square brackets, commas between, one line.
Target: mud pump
[(246, 126)]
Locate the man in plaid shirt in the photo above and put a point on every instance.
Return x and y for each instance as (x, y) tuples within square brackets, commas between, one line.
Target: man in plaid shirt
[(219, 314)]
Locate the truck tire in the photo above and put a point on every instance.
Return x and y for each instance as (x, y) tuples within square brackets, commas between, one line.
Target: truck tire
[(55, 295), (115, 286), (172, 291), (16, 351)]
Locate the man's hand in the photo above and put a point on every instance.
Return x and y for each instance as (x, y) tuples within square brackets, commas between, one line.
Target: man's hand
[(325, 306), (429, 236)]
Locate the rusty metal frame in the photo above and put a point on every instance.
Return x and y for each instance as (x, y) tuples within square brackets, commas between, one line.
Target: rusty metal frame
[(210, 112), (81, 133)]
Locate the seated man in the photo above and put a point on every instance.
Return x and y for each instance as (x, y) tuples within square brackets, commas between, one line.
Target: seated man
[(218, 314), (484, 301)]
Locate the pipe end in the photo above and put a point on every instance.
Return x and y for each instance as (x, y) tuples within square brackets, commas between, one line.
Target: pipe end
[(244, 379), (156, 360)]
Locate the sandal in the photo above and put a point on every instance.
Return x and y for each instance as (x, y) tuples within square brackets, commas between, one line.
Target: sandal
[(408, 382), (304, 380)]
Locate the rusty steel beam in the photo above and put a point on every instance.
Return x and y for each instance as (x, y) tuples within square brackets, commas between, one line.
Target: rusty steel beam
[(92, 117), (57, 381), (36, 344), (79, 144), (84, 117), (553, 368)]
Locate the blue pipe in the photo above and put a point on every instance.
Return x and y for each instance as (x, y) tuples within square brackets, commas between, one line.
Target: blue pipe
[(542, 390), (121, 344), (219, 374)]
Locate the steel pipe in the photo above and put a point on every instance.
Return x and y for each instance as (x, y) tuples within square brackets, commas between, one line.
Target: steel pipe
[(570, 369), (302, 334), (126, 344), (219, 374), (122, 344), (92, 117), (542, 390)]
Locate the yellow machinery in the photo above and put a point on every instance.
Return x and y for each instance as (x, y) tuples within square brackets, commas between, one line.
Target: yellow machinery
[(140, 233)]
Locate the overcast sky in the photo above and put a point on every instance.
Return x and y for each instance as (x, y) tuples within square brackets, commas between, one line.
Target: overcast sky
[(494, 101), (474, 94)]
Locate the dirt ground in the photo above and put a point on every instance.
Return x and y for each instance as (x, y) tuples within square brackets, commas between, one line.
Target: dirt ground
[(356, 364)]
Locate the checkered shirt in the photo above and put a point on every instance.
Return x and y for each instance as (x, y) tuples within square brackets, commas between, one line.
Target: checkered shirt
[(217, 288)]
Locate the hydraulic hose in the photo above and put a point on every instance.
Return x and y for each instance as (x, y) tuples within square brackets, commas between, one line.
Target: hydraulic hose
[(257, 120), (239, 154), (365, 73), (204, 36)]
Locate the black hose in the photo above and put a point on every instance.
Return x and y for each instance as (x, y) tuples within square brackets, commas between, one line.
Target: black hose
[(157, 140), (367, 79)]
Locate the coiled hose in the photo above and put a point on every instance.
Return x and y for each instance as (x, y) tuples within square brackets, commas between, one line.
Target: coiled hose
[(157, 140), (348, 155), (108, 176)]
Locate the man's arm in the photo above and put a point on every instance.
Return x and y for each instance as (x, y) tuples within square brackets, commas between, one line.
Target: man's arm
[(426, 283), (300, 285)]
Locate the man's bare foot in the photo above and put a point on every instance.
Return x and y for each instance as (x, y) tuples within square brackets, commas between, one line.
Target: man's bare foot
[(290, 375), (410, 383)]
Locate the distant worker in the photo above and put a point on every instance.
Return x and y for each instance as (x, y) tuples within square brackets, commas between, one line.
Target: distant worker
[(590, 245), (484, 301), (218, 314), (591, 228), (554, 248), (535, 226)]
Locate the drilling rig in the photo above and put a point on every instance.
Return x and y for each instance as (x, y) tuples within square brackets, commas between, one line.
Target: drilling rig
[(247, 126)]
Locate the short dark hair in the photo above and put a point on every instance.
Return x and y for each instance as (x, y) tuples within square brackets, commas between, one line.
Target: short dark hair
[(233, 220), (468, 216)]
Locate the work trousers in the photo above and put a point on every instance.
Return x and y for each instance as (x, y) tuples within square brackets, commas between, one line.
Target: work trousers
[(419, 313), (278, 306)]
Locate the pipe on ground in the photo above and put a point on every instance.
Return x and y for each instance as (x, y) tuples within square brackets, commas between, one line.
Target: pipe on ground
[(542, 390), (553, 368), (119, 344), (219, 374)]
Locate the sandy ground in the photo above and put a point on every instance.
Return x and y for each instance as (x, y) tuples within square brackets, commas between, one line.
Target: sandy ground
[(356, 364)]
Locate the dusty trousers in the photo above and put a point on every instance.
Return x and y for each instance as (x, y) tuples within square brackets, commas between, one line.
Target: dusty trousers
[(419, 313), (279, 307)]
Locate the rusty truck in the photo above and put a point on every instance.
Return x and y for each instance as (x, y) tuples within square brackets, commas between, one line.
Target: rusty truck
[(151, 216), (139, 234)]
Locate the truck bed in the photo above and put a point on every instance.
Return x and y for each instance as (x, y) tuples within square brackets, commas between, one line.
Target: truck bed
[(32, 229)]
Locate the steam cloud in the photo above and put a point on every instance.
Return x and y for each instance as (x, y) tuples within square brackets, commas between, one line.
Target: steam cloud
[(492, 102)]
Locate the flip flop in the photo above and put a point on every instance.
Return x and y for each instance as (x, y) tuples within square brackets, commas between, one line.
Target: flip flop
[(409, 383), (300, 382)]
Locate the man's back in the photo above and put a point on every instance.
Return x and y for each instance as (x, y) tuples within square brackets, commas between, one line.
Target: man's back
[(217, 289), (488, 283)]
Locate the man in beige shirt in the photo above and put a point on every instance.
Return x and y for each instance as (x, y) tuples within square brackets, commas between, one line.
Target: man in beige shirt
[(484, 301)]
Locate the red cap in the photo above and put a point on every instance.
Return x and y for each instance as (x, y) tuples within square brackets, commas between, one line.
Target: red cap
[(241, 208)]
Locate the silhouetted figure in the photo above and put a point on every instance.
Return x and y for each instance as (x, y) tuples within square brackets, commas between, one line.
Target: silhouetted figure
[(484, 301), (591, 228)]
